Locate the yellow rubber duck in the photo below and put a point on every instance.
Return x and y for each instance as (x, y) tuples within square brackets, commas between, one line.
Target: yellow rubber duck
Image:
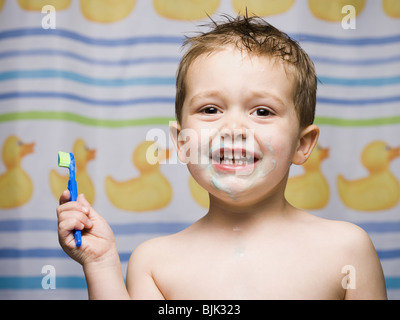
[(59, 182), (381, 189), (262, 8), (331, 10), (310, 190), (151, 190), (185, 9), (16, 187), (391, 8), (106, 11), (2, 4), (199, 194), (37, 5)]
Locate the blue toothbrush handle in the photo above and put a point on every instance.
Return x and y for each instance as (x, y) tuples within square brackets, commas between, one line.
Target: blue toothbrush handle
[(78, 238), (73, 190)]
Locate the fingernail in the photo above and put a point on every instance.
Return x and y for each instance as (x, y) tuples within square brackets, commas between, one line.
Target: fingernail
[(85, 210)]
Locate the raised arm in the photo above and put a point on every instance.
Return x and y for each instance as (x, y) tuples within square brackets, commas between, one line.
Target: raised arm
[(98, 253)]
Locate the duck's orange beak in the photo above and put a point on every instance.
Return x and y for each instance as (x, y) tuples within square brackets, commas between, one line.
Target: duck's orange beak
[(324, 153), (27, 149), (91, 154), (394, 153), (163, 154), (167, 155)]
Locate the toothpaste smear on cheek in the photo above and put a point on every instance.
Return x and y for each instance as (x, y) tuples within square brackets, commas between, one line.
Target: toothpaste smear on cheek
[(235, 183)]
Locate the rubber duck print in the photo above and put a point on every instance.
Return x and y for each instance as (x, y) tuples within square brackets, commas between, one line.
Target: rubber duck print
[(199, 194), (185, 9), (378, 191), (106, 11), (262, 8), (391, 8), (37, 5), (150, 190), (83, 155), (331, 10), (16, 187), (310, 190)]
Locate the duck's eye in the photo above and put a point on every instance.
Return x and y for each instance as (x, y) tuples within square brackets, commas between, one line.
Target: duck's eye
[(20, 143), (387, 148)]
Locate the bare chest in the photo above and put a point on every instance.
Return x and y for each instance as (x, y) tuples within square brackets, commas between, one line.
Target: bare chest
[(241, 271)]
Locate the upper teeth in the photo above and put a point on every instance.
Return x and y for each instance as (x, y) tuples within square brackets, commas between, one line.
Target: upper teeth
[(230, 158)]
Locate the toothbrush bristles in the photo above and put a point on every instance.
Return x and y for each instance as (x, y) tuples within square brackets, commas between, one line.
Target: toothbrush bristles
[(64, 159)]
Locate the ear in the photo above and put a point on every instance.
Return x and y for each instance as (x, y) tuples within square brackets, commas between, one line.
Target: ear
[(174, 131), (307, 140)]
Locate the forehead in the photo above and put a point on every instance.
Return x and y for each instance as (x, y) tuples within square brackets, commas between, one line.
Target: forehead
[(243, 70)]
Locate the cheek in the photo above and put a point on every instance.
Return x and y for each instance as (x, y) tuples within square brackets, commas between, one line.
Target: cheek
[(282, 148), (189, 141), (201, 176)]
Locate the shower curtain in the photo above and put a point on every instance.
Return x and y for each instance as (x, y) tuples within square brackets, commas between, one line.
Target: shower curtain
[(98, 80)]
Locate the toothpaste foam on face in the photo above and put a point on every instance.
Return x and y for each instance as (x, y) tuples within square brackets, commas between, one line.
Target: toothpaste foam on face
[(234, 168)]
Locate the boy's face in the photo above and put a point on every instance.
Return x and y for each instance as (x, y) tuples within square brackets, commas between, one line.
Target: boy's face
[(239, 127)]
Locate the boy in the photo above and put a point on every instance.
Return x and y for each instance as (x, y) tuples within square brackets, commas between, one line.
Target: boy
[(248, 93)]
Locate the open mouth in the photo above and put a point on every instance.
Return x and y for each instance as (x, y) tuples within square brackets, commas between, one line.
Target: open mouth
[(234, 158)]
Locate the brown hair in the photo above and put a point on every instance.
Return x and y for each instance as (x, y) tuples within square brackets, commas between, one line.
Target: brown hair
[(257, 36)]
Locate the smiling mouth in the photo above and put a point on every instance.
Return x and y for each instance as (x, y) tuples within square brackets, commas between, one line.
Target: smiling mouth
[(234, 157)]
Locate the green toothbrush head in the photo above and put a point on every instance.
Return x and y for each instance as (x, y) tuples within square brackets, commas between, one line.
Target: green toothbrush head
[(64, 159)]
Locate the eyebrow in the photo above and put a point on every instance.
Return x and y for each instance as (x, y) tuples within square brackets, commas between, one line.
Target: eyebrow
[(205, 94), (267, 95), (253, 94)]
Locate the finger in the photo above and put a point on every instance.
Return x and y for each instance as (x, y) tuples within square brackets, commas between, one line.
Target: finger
[(92, 214), (82, 200), (72, 206), (66, 232), (73, 220), (65, 196)]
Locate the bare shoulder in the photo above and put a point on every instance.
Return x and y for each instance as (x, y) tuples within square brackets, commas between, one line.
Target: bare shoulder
[(341, 233), (346, 229), (344, 238), (140, 279), (151, 250), (352, 249)]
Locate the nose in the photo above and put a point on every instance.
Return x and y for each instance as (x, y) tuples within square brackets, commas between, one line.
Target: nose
[(233, 134), (234, 127)]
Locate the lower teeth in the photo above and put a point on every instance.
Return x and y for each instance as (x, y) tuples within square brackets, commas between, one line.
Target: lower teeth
[(236, 162)]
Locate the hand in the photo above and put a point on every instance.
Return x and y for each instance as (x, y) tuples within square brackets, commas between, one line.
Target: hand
[(98, 242)]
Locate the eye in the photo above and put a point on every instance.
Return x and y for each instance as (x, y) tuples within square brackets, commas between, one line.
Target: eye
[(262, 112), (209, 110)]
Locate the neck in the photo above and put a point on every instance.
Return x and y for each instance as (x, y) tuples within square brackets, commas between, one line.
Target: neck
[(244, 214), (13, 165), (314, 168)]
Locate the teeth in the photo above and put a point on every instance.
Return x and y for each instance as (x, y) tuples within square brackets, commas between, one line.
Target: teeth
[(235, 158), (239, 161)]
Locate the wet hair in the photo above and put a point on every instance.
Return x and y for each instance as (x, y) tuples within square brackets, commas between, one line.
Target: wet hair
[(255, 36)]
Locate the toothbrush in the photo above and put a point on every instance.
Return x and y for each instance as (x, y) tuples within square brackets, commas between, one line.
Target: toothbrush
[(67, 160)]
